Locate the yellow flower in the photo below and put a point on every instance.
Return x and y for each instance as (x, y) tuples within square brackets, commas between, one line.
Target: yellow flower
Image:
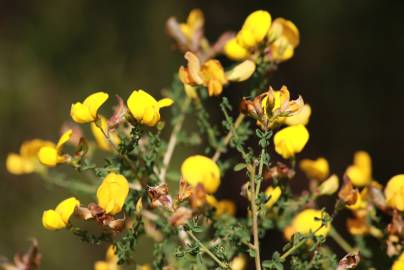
[(99, 136), (202, 170), (253, 31), (315, 169), (222, 207), (195, 22), (273, 194), (399, 263), (86, 111), (360, 173), (211, 73), (112, 193), (145, 109), (300, 118), (111, 261), (329, 186), (238, 263), (27, 160), (291, 140), (394, 192), (51, 155), (59, 218), (308, 220), (284, 37)]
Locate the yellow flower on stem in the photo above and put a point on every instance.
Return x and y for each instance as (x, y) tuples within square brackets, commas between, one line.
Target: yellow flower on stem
[(360, 173), (273, 194), (399, 263), (308, 220), (112, 193), (52, 155), (329, 186), (211, 73), (235, 51), (145, 109), (111, 261), (238, 263), (300, 118), (27, 160), (194, 24), (394, 192), (291, 140), (202, 170), (317, 169), (86, 111), (99, 134), (59, 218), (284, 37)]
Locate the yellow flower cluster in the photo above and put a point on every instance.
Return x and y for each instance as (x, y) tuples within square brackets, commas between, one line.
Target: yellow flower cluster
[(52, 155), (59, 218)]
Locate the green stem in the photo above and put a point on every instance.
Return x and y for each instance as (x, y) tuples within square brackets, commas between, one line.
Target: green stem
[(210, 253), (340, 240), (254, 213), (260, 169), (73, 185)]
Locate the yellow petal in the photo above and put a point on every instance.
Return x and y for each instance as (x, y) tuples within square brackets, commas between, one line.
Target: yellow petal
[(301, 118), (66, 208), (18, 165), (140, 101), (80, 113), (255, 28), (202, 170), (291, 140), (241, 72), (273, 194), (315, 169), (31, 148), (99, 136), (194, 67), (51, 220), (329, 186), (64, 139), (48, 156), (94, 102), (225, 207), (112, 193), (394, 192), (309, 220), (165, 102), (235, 51)]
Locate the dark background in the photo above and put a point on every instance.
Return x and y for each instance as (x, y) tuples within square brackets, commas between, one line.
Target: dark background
[(53, 53)]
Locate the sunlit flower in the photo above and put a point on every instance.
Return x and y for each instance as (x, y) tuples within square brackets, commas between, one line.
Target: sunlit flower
[(284, 37), (399, 263), (394, 192), (315, 169), (26, 161), (360, 173), (273, 195), (252, 33), (222, 206), (86, 111), (145, 109), (112, 193), (308, 220), (111, 261), (329, 186), (202, 170), (300, 118), (291, 140), (211, 73), (99, 135), (52, 155), (59, 218)]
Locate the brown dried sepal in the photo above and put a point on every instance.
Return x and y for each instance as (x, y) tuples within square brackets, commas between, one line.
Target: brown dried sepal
[(159, 196), (180, 216), (348, 194), (349, 261), (279, 171), (185, 190), (119, 114), (29, 261)]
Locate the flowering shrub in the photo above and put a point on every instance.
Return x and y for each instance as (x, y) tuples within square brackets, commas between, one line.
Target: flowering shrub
[(136, 191)]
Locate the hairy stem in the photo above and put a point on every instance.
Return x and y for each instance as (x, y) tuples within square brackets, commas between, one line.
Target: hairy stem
[(228, 137), (254, 210), (208, 252), (340, 240), (172, 143)]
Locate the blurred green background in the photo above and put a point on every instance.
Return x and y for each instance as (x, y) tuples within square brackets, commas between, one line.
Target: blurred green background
[(53, 53)]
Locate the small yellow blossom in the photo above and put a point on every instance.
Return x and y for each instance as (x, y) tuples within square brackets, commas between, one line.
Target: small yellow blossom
[(273, 194), (111, 261), (253, 32), (360, 202), (291, 140), (360, 173), (145, 109), (399, 263), (284, 37), (27, 160), (315, 169), (222, 206), (51, 155), (195, 22), (238, 263), (59, 218), (308, 220), (112, 193), (300, 118), (86, 111), (211, 73), (394, 192), (202, 170), (329, 186), (99, 135)]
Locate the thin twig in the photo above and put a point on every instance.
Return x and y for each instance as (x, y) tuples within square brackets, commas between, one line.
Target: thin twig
[(228, 137), (340, 240), (255, 218), (172, 143), (208, 252)]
